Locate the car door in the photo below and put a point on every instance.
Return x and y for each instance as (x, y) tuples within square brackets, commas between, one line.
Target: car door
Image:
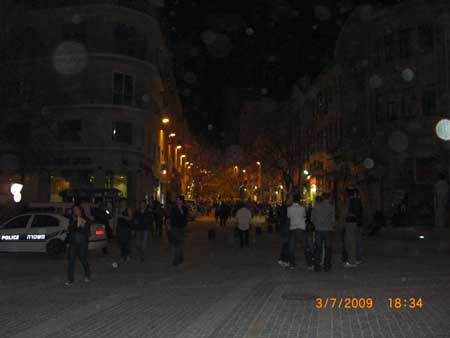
[(43, 227), (12, 232)]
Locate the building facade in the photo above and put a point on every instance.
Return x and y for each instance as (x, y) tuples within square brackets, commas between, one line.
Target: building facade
[(87, 86), (375, 111)]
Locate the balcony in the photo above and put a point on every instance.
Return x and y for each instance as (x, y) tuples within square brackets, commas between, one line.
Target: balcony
[(150, 7)]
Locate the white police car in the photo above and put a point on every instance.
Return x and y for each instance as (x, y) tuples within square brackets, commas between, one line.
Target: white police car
[(43, 232)]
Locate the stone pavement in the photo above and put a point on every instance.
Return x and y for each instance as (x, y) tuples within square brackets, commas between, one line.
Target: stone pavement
[(223, 291)]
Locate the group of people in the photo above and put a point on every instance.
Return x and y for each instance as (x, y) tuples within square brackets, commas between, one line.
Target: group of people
[(138, 225), (296, 224)]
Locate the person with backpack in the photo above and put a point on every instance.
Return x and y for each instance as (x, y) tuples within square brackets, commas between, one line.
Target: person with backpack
[(78, 239)]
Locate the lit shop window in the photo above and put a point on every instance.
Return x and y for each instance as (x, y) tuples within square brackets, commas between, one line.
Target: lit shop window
[(57, 185), (119, 182)]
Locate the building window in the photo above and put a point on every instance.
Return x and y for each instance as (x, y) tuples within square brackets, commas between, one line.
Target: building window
[(123, 89), (74, 32), (119, 182), (129, 41), (426, 38), (57, 185), (404, 43), (379, 108), (121, 132), (388, 47), (429, 105), (392, 110), (69, 131), (408, 103)]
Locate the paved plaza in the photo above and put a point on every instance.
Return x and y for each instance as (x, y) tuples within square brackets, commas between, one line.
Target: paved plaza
[(225, 291)]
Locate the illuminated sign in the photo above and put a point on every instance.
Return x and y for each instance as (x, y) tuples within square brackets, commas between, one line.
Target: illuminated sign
[(25, 237)]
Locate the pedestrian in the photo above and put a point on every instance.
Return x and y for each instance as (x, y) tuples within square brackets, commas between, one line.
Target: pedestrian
[(283, 260), (124, 221), (353, 231), (224, 214), (143, 220), (323, 218), (78, 239), (297, 231), (243, 219), (217, 208), (178, 225), (158, 215)]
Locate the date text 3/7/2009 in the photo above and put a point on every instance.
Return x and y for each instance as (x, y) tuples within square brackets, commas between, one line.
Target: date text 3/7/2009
[(367, 303)]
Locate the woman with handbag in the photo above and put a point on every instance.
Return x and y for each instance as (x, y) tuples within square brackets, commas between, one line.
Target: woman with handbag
[(78, 239)]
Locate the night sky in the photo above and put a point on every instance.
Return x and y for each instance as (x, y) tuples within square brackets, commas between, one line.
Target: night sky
[(226, 50)]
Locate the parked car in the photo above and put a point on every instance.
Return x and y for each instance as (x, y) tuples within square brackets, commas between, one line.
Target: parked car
[(44, 232), (192, 210)]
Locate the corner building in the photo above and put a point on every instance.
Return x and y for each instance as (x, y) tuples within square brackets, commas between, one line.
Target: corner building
[(88, 87)]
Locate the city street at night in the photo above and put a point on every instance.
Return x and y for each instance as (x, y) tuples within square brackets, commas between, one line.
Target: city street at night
[(225, 291)]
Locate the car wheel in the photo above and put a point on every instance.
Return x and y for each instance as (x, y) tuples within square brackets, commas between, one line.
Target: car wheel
[(55, 248)]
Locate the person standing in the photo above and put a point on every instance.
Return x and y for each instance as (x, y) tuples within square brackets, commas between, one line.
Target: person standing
[(323, 218), (178, 225), (353, 231), (283, 259), (143, 220), (158, 215), (244, 218), (297, 231), (78, 239), (124, 221), (441, 195)]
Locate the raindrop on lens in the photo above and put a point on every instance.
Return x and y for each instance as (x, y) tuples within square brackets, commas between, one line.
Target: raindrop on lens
[(375, 81), (77, 19), (70, 58), (368, 163), (115, 265), (398, 141), (443, 129), (208, 37), (249, 31), (210, 127), (322, 13), (407, 74)]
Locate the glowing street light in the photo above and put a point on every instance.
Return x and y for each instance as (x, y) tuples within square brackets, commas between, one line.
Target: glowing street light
[(165, 120), (172, 135), (306, 172), (258, 163)]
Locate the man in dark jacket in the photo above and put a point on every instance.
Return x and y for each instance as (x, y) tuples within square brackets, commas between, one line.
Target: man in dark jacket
[(178, 225)]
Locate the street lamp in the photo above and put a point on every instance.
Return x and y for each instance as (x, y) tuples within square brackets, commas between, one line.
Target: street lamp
[(165, 120), (306, 172), (181, 160), (172, 135), (176, 155)]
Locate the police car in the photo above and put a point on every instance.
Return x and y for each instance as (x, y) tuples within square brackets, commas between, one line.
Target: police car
[(43, 232)]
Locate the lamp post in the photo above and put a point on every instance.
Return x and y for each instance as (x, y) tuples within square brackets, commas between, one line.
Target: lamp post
[(258, 163), (169, 151), (178, 147)]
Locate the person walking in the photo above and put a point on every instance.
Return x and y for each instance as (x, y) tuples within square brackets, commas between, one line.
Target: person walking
[(244, 218), (178, 225), (283, 259), (78, 239), (296, 215), (124, 221), (323, 218), (158, 215), (225, 211), (143, 221), (353, 231)]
